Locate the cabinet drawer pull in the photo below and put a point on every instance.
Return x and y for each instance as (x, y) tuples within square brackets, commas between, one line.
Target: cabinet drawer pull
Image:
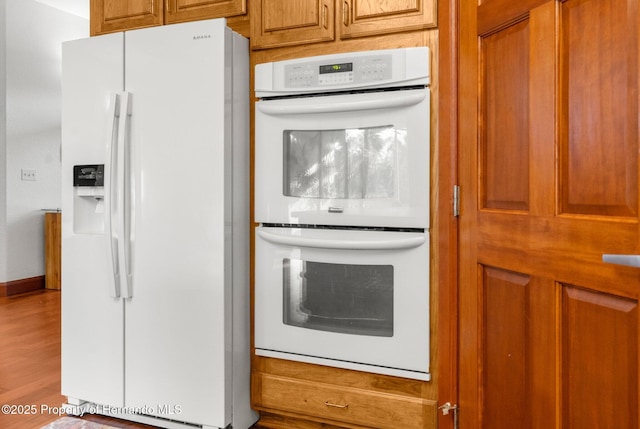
[(345, 13), (325, 13), (331, 404)]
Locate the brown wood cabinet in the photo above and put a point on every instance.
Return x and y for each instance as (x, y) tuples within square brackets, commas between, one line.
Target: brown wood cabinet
[(118, 15), (52, 250), (366, 18), (283, 23), (192, 10), (278, 23), (340, 398)]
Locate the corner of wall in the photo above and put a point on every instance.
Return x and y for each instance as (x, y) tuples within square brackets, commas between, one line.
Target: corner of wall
[(3, 144)]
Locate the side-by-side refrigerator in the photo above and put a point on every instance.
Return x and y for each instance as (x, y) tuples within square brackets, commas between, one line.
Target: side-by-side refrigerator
[(155, 209)]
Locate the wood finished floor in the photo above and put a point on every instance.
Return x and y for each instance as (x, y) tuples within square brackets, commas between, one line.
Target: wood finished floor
[(30, 362)]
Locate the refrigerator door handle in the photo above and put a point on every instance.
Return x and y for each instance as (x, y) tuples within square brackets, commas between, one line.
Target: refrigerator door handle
[(111, 205), (126, 215)]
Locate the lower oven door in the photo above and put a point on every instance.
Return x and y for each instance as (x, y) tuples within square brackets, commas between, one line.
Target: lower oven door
[(346, 298)]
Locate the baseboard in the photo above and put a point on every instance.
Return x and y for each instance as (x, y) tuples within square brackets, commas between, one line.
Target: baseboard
[(16, 287)]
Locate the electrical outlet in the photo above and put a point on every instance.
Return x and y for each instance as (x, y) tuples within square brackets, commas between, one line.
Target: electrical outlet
[(28, 174)]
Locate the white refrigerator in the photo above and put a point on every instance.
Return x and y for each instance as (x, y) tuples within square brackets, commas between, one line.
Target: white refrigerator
[(155, 209)]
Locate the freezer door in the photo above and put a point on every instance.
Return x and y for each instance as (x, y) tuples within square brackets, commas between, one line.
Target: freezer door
[(177, 320), (92, 317)]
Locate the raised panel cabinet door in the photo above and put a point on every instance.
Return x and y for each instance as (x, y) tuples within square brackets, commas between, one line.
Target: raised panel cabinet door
[(109, 16), (372, 17), (283, 23), (193, 10), (549, 177)]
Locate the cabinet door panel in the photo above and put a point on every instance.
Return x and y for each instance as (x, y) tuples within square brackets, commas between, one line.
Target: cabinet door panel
[(192, 10), (279, 23), (111, 16), (367, 17)]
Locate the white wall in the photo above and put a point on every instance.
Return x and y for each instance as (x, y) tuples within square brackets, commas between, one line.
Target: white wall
[(33, 36), (3, 157)]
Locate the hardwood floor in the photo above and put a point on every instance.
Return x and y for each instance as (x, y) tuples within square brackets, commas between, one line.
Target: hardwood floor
[(30, 363), (29, 359)]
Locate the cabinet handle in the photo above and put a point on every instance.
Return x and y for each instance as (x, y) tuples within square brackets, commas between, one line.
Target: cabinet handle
[(345, 13), (331, 404), (325, 12)]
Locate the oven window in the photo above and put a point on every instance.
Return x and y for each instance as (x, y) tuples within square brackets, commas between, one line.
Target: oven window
[(347, 163), (345, 298)]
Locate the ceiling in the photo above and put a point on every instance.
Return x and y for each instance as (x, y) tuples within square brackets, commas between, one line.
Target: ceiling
[(75, 7)]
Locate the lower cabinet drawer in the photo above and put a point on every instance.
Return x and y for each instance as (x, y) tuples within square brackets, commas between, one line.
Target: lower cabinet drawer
[(344, 404)]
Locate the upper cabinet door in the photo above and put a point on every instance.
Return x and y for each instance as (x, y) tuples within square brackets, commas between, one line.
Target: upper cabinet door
[(111, 16), (108, 16), (193, 10), (283, 23), (278, 23), (368, 17)]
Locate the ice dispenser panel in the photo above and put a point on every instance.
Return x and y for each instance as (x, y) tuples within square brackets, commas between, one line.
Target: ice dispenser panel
[(88, 176), (88, 204)]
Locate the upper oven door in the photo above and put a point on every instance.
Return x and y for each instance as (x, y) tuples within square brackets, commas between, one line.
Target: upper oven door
[(356, 159)]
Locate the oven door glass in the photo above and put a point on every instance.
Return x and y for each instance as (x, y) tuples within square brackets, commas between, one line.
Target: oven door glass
[(346, 298), (348, 163)]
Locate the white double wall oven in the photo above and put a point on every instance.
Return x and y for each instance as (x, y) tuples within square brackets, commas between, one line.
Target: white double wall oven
[(342, 197)]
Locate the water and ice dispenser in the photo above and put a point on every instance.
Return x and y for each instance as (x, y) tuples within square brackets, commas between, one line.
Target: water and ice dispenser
[(88, 199)]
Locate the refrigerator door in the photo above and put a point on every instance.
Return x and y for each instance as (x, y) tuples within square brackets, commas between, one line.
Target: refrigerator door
[(92, 315), (177, 337)]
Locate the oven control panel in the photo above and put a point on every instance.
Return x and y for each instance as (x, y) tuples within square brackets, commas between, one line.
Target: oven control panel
[(373, 68), (384, 68)]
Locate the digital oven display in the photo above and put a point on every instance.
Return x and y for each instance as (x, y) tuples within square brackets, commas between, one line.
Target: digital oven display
[(336, 68)]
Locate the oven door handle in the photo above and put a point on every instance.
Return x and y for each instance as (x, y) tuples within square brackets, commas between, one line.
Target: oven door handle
[(393, 244), (310, 105)]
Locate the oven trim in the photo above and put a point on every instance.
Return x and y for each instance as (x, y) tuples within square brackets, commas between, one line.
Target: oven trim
[(336, 363)]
